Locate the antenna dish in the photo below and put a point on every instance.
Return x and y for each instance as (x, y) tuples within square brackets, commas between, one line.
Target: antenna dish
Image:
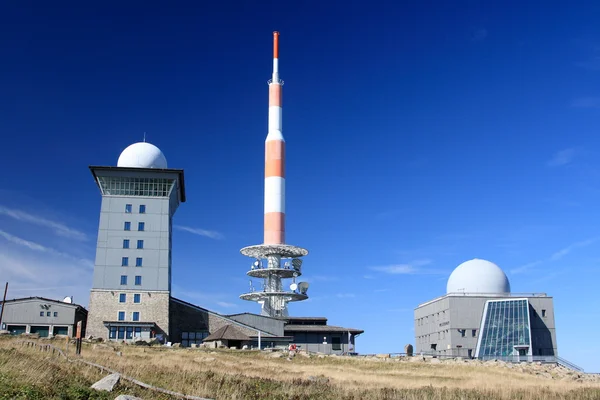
[(68, 299), (303, 287), (293, 287)]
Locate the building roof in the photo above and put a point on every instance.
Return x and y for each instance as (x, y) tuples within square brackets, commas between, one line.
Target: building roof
[(232, 321), (485, 295), (46, 299), (94, 168), (227, 332), (253, 314), (320, 328)]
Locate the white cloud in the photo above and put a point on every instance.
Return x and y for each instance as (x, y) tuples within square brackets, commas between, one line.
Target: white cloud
[(226, 304), (525, 268), (201, 232), (43, 249), (563, 252), (406, 269), (58, 227), (562, 157), (34, 273), (345, 295)]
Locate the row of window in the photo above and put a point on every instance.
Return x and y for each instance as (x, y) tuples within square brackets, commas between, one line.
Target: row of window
[(136, 298), (48, 313), (124, 332), (138, 280), (135, 316), (140, 244), (442, 335), (125, 262), (434, 317), (127, 226), (129, 207)]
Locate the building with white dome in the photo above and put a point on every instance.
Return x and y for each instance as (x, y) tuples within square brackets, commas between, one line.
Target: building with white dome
[(479, 317)]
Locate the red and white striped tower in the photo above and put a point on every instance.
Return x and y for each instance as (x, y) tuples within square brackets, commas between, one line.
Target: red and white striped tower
[(275, 159), (282, 260)]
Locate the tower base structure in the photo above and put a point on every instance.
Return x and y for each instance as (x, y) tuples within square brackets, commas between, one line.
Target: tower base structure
[(273, 263)]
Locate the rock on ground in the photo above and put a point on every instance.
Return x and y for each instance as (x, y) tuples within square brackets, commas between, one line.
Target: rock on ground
[(127, 397), (107, 383)]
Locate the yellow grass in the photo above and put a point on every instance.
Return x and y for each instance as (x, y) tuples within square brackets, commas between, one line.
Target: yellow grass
[(228, 375)]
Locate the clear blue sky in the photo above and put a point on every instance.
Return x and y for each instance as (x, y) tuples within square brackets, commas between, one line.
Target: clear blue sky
[(418, 137)]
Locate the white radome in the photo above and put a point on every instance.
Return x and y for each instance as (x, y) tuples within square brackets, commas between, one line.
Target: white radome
[(478, 276), (142, 155)]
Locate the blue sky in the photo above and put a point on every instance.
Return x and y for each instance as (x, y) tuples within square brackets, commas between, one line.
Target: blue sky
[(418, 137)]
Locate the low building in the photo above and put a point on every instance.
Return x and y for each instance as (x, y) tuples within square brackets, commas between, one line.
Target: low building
[(308, 333), (228, 336), (479, 317), (45, 317)]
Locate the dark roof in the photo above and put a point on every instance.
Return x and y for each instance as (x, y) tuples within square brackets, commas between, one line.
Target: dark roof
[(227, 332), (233, 321), (256, 315), (46, 299), (308, 318), (93, 169), (319, 328)]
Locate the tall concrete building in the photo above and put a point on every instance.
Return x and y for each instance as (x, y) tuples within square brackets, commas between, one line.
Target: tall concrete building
[(132, 273), (479, 317)]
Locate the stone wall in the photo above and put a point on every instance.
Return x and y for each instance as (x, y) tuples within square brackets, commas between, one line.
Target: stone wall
[(104, 306)]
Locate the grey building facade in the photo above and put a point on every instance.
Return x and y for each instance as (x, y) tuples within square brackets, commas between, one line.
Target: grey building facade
[(43, 316), (451, 325), (132, 273)]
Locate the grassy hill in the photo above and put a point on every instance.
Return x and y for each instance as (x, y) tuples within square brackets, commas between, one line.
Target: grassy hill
[(29, 374)]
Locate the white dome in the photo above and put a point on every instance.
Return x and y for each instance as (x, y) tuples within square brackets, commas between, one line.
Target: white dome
[(142, 155), (478, 276)]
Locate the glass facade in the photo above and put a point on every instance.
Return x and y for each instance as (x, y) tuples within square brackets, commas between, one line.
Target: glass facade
[(505, 329), (148, 187), (189, 338)]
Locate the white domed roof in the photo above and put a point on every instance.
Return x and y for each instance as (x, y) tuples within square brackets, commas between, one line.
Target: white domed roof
[(478, 276), (142, 155)]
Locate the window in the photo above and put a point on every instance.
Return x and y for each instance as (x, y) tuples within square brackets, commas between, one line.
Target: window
[(140, 226), (544, 313), (113, 332), (137, 298), (138, 280), (462, 332), (121, 332), (474, 332), (41, 313), (138, 262), (122, 298), (125, 243), (137, 332), (140, 244), (121, 315), (48, 314), (336, 343), (127, 226), (123, 279), (55, 314), (142, 209), (148, 187), (135, 316), (128, 208), (124, 261), (129, 332)]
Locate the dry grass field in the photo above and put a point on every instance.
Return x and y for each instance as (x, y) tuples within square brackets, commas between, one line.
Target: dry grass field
[(232, 375)]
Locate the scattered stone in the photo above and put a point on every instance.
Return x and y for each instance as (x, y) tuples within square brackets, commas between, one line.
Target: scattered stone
[(382, 356), (276, 355), (194, 345), (127, 397), (119, 354), (4, 332), (245, 347), (176, 345), (107, 383), (408, 349), (435, 361)]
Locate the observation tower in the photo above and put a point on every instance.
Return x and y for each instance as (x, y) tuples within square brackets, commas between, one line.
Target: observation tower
[(274, 260)]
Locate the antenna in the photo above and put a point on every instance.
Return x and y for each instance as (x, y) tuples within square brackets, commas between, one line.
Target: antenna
[(303, 287), (144, 137)]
